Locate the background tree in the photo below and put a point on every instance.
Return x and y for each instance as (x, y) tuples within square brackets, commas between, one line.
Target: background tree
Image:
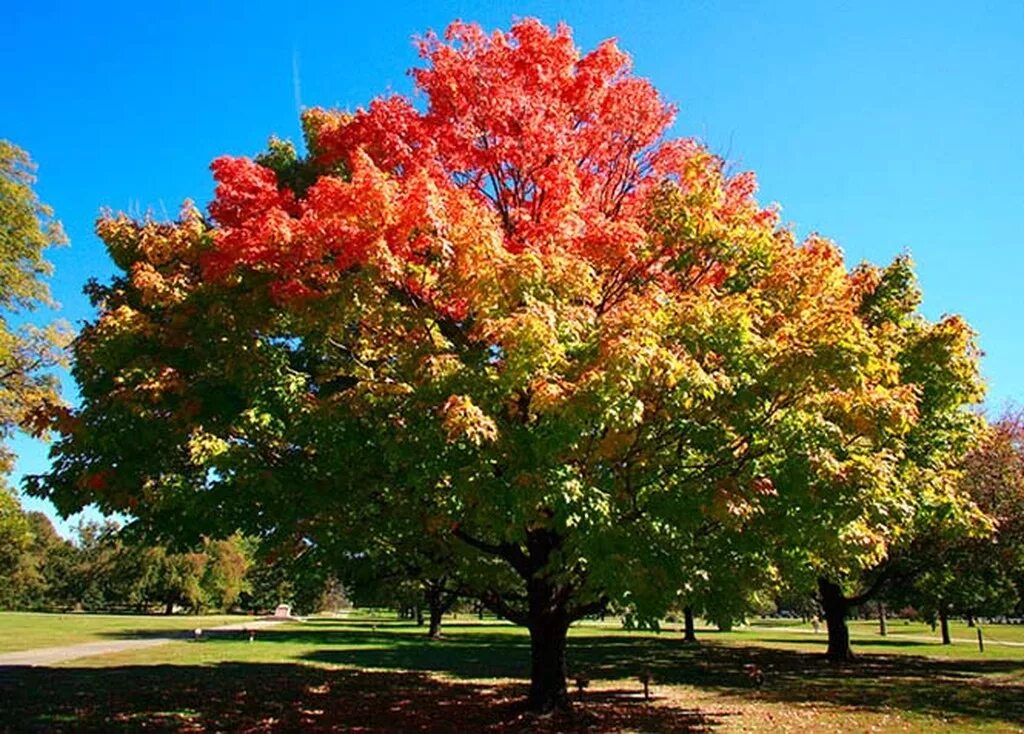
[(300, 580), (224, 579), (520, 323), (728, 576), (31, 587), (15, 540), (26, 352), (993, 475), (26, 230), (977, 574), (421, 577), (912, 447)]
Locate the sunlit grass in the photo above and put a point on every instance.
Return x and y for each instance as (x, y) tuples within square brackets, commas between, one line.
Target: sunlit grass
[(25, 631)]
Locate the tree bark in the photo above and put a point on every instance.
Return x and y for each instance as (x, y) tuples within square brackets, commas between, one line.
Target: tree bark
[(944, 624), (434, 633), (836, 607), (437, 604), (690, 632), (548, 671), (881, 620), (436, 612), (549, 609)]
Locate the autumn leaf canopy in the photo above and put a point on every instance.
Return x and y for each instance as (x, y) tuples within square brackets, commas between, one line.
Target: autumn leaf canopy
[(510, 306)]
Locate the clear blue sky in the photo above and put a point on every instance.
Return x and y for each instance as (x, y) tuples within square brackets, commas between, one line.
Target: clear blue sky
[(885, 126)]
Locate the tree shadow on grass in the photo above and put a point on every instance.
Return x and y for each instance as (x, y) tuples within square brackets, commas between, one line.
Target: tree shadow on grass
[(937, 686), (290, 697), (934, 686), (941, 687)]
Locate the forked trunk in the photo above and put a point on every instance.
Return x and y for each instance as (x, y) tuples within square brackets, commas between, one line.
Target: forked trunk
[(549, 612), (835, 606), (689, 631), (437, 605)]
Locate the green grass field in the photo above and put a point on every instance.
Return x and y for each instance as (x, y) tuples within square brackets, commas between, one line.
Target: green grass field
[(378, 675), (1013, 633), (25, 631)]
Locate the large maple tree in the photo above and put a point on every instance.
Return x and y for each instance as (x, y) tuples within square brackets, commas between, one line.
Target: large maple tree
[(515, 321)]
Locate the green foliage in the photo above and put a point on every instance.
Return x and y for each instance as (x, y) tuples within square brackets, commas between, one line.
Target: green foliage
[(26, 353), (980, 573), (915, 455), (301, 583), (896, 296), (15, 539), (28, 229), (109, 569), (571, 373)]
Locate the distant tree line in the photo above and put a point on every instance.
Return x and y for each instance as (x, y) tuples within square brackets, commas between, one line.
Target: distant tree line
[(104, 568)]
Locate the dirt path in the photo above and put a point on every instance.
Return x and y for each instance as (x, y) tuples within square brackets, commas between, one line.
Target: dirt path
[(50, 655)]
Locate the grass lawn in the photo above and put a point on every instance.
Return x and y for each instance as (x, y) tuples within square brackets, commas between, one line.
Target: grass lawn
[(377, 675), (23, 631), (898, 627)]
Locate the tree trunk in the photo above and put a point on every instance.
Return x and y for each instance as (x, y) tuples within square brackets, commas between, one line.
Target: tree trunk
[(970, 619), (436, 612), (690, 633), (881, 619), (169, 608), (835, 606), (419, 616), (548, 672), (548, 612), (437, 605), (944, 624)]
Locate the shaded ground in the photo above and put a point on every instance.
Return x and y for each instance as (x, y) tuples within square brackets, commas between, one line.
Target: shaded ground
[(938, 687), (264, 697)]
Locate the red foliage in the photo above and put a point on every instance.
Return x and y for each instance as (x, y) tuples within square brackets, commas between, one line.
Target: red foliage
[(552, 150)]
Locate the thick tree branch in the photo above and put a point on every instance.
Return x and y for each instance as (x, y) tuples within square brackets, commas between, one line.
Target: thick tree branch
[(499, 606), (509, 552), (585, 610)]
